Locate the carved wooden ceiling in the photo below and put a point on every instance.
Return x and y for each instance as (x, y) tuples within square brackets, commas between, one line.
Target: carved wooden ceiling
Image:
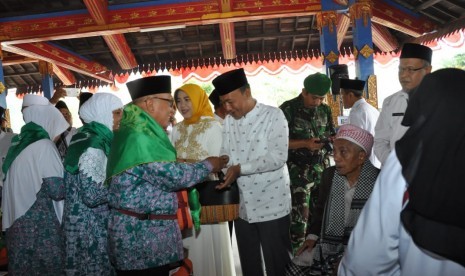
[(91, 39)]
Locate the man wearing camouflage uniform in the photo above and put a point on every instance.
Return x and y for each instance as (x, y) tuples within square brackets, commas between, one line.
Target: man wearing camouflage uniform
[(310, 123)]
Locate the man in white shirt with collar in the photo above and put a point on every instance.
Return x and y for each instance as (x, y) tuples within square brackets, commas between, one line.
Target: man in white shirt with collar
[(255, 136), (362, 114), (414, 64)]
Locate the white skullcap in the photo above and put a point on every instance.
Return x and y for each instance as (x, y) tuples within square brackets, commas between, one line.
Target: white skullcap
[(30, 99), (356, 135)]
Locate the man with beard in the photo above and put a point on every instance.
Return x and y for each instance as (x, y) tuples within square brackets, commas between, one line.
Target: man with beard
[(309, 120), (414, 64)]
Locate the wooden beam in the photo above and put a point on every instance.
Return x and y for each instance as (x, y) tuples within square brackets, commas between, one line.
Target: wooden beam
[(13, 59), (398, 19), (426, 4), (382, 38), (121, 50), (228, 40), (117, 43), (55, 55), (133, 19), (343, 23), (65, 75)]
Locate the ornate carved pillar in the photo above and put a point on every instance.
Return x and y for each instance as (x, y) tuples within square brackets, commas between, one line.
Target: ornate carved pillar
[(46, 70), (360, 15), (326, 22)]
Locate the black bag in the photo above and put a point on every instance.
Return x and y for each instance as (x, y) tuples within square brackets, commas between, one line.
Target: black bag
[(218, 205)]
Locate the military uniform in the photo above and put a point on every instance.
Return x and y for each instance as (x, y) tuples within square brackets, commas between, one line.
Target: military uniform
[(305, 167)]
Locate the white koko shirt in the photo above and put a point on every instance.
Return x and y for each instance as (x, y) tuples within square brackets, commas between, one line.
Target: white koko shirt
[(259, 143)]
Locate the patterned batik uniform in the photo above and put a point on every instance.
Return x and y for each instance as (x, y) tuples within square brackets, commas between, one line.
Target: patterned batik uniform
[(86, 217), (149, 189), (305, 123), (35, 241)]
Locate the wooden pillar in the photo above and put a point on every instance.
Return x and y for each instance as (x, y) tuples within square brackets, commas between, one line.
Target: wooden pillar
[(360, 15), (326, 21), (46, 70)]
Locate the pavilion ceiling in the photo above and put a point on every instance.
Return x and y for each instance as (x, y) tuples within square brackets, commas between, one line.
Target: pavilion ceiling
[(89, 40)]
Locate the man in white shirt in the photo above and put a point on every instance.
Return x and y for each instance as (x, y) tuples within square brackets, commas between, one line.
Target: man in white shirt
[(255, 136), (362, 114), (414, 64)]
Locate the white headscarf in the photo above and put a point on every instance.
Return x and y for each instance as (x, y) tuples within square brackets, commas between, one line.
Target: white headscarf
[(48, 117), (20, 197), (99, 109), (31, 99)]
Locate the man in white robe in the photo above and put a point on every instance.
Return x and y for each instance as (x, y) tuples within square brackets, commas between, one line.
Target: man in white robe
[(414, 64), (362, 114)]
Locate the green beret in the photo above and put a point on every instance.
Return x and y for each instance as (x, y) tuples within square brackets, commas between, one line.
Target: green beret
[(317, 84)]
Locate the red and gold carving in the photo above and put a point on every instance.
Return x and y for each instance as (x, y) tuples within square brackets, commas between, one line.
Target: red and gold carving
[(326, 19), (362, 9)]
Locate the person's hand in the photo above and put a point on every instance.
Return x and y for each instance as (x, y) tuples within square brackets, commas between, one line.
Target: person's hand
[(218, 163), (307, 245), (231, 175), (313, 144), (59, 93)]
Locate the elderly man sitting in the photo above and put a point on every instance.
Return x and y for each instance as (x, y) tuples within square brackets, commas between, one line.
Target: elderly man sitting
[(342, 197)]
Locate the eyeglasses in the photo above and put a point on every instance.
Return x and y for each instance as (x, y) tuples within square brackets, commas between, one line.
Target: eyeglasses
[(170, 101), (409, 70)]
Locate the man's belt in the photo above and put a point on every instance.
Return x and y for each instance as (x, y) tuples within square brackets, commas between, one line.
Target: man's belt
[(146, 216)]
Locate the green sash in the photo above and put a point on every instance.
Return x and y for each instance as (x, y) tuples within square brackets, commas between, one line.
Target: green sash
[(139, 140), (91, 135), (30, 133)]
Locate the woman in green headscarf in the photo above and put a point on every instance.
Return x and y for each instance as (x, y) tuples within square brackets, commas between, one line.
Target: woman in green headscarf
[(33, 193), (86, 207), (195, 138)]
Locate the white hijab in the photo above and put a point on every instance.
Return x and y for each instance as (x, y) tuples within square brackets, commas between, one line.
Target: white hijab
[(20, 188), (48, 117), (99, 109)]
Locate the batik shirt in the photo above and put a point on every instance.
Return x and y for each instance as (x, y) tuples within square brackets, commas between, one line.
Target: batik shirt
[(306, 123), (86, 217), (149, 189)]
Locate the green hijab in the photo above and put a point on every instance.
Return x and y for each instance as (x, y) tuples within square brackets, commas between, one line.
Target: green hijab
[(91, 135), (139, 140), (30, 133)]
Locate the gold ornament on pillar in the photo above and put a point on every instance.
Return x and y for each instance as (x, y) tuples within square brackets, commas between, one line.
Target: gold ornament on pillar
[(366, 51), (332, 57), (2, 87), (45, 68), (326, 19), (361, 9)]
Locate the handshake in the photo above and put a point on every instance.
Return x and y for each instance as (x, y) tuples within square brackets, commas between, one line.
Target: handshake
[(218, 163)]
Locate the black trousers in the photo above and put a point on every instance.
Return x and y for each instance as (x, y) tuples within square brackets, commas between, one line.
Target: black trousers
[(273, 237), (154, 271)]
